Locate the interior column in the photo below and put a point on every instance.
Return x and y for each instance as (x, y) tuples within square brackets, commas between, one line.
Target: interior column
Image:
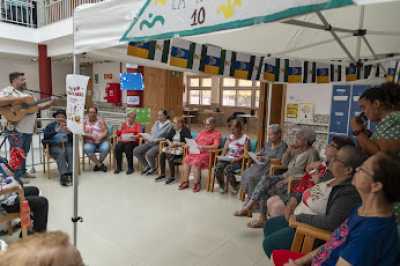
[(45, 81)]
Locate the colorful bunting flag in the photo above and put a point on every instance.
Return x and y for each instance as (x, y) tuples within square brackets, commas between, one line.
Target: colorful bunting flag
[(212, 60), (293, 71), (185, 54), (272, 69), (351, 73), (153, 50), (391, 70), (323, 75), (242, 65)]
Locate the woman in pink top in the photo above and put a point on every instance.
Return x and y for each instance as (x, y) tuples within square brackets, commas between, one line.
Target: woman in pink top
[(207, 140), (128, 136), (95, 139)]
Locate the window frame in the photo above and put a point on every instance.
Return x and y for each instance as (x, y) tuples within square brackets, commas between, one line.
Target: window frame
[(200, 88), (238, 88)]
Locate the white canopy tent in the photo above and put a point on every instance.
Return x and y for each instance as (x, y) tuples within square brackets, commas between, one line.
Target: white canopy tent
[(325, 35), (99, 28)]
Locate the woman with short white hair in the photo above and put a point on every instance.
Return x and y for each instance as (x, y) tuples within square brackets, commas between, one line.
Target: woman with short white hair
[(296, 158)]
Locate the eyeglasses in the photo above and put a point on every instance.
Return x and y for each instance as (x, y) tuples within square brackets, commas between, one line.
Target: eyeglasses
[(362, 169)]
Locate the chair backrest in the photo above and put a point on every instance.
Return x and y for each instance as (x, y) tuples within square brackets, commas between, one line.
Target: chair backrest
[(305, 237), (194, 134), (222, 142), (253, 145)]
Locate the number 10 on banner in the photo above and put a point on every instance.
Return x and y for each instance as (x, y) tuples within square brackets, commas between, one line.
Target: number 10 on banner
[(198, 17)]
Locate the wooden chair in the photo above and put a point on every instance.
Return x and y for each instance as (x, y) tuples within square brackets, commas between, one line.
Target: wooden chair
[(47, 158), (164, 144), (7, 218), (305, 237), (211, 175)]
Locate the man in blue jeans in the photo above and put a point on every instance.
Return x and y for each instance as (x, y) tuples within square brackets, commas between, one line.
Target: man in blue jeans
[(20, 133)]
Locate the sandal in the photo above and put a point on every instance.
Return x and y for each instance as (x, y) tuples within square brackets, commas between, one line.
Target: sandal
[(183, 185), (196, 187), (242, 213), (256, 224)]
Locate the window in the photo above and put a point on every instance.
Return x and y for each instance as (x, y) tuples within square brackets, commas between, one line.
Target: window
[(240, 93), (229, 98), (199, 90)]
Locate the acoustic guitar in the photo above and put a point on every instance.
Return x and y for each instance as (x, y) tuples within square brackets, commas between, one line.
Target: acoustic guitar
[(20, 108)]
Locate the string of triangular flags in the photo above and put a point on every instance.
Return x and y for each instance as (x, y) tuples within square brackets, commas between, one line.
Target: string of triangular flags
[(213, 60)]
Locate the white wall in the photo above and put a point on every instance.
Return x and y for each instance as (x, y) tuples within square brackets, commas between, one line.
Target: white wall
[(59, 71), (101, 69), (26, 66), (318, 94)]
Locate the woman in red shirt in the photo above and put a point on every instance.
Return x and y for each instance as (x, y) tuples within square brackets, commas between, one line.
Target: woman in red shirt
[(128, 136)]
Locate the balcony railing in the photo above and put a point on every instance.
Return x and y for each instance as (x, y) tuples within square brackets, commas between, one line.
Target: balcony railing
[(19, 12), (61, 9), (36, 13)]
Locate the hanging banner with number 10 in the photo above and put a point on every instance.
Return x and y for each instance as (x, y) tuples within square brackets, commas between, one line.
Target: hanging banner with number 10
[(165, 19)]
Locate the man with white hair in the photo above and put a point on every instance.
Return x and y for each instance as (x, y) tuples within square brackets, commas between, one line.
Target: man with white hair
[(296, 158)]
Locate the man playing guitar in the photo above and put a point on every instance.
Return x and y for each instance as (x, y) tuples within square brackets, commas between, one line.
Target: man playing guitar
[(21, 131)]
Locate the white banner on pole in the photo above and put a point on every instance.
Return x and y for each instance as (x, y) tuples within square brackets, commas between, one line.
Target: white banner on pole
[(76, 97), (164, 19)]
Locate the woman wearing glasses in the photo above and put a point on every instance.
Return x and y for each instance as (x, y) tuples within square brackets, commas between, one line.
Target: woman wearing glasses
[(330, 207), (207, 140), (369, 236)]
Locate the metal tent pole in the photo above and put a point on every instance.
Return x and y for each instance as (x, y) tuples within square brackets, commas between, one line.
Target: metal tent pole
[(75, 177)]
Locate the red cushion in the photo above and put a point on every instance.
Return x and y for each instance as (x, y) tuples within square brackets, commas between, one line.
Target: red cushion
[(280, 257)]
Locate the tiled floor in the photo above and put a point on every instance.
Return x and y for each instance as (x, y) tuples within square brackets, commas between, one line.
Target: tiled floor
[(132, 221)]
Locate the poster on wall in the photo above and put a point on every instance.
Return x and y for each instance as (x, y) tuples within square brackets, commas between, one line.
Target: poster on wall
[(133, 100), (76, 97), (143, 115), (292, 111), (306, 112)]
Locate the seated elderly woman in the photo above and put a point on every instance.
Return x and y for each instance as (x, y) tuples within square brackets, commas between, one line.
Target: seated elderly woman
[(207, 140), (273, 150), (147, 152), (173, 152), (315, 173), (295, 158), (50, 249), (10, 202), (95, 139), (369, 236), (59, 139), (325, 205), (128, 136), (231, 159)]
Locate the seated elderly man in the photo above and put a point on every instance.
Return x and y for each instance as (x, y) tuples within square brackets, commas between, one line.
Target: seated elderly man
[(10, 203), (296, 158), (58, 136), (273, 149)]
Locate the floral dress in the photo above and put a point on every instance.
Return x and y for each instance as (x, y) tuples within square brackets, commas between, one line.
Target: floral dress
[(205, 137)]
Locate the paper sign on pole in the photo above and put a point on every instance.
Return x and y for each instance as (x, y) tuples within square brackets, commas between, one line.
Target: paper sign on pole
[(165, 19), (76, 96)]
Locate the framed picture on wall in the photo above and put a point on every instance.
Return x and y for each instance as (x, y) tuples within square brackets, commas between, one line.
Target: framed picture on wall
[(133, 100), (306, 112)]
